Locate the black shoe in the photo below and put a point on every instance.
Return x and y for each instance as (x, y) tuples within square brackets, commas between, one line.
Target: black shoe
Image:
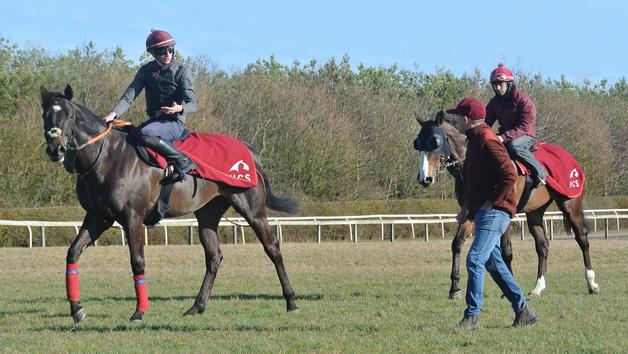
[(468, 323), (525, 317)]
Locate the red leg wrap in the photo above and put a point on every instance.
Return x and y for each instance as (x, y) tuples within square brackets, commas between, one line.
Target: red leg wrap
[(72, 282), (141, 292)]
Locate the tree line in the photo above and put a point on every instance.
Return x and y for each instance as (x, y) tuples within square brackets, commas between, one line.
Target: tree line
[(325, 131)]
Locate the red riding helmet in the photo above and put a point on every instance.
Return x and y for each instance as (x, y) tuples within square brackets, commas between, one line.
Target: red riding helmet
[(158, 39), (501, 74)]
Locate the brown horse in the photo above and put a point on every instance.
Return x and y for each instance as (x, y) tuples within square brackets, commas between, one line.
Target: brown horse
[(441, 146), (113, 184)]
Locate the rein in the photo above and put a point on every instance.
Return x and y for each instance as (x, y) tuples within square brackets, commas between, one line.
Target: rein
[(110, 125)]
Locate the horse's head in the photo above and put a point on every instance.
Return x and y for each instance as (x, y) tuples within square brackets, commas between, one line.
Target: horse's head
[(440, 145), (66, 124)]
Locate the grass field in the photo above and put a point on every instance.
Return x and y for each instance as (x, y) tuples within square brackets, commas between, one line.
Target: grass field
[(366, 297)]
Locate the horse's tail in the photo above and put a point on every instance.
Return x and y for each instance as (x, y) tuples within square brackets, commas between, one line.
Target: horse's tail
[(283, 203), (568, 227)]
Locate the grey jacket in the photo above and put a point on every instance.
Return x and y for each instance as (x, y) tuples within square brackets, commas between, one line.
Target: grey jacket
[(164, 85)]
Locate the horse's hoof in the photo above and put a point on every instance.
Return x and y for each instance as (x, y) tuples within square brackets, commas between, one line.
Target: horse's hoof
[(194, 310), (534, 293), (296, 309), (79, 315), (456, 295), (137, 316), (595, 290)]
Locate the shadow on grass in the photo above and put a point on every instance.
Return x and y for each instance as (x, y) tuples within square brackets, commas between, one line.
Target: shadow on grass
[(225, 297), (175, 328), (7, 313)]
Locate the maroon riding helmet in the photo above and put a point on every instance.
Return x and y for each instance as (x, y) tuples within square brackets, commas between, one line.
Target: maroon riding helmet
[(501, 74), (159, 39)]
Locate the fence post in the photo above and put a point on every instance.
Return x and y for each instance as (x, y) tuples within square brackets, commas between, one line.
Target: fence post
[(242, 232), (606, 228), (355, 231), (427, 232), (235, 234), (190, 235), (382, 225), (522, 231), (318, 233), (43, 237), (551, 230), (145, 236), (30, 237), (166, 235), (392, 232)]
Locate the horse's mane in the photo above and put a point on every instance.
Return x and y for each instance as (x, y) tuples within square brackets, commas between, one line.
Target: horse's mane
[(89, 114), (85, 111)]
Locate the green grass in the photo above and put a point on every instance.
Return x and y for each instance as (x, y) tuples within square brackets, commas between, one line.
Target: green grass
[(366, 297)]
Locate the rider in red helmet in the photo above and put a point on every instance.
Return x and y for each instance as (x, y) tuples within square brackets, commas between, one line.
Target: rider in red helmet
[(516, 114), (169, 97)]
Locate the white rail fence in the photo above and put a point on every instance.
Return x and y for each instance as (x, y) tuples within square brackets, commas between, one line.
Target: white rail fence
[(352, 222)]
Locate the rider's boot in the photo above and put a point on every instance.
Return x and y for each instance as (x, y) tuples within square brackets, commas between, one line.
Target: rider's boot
[(181, 163)]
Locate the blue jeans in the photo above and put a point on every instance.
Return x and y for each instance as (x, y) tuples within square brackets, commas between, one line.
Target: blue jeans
[(485, 251), (519, 149)]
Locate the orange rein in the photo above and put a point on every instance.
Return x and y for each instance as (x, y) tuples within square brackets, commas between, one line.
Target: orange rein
[(110, 125)]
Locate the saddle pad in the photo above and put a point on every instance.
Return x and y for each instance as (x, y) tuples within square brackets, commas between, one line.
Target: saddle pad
[(564, 174), (220, 158)]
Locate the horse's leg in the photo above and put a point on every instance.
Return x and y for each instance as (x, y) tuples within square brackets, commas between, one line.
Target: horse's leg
[(252, 208), (208, 218), (506, 246), (133, 229), (537, 229), (574, 216), (91, 229), (464, 230)]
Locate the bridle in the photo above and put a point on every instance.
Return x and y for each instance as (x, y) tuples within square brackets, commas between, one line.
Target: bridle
[(66, 140)]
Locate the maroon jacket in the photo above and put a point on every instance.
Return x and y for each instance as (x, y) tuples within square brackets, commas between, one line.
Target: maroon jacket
[(516, 115), (488, 172)]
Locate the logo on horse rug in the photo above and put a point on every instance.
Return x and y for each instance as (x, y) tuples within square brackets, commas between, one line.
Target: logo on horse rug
[(564, 174), (214, 154)]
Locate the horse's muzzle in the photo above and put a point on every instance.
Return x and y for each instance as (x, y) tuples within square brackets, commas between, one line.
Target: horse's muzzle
[(56, 154), (427, 182)]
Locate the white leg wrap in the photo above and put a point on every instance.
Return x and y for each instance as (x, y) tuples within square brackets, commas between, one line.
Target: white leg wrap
[(540, 286), (590, 276)]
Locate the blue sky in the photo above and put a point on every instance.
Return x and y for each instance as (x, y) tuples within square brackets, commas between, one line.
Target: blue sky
[(582, 39)]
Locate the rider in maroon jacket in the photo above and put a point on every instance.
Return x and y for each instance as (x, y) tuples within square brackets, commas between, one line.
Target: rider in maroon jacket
[(516, 114)]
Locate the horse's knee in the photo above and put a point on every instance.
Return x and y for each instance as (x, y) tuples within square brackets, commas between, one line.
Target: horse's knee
[(583, 241), (456, 245), (214, 261), (137, 264), (542, 247)]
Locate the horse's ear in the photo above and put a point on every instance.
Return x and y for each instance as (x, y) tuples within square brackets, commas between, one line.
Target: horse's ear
[(44, 94), (440, 117), (418, 118), (67, 92)]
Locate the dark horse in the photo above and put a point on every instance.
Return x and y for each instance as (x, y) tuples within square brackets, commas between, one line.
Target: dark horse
[(442, 147), (113, 184)]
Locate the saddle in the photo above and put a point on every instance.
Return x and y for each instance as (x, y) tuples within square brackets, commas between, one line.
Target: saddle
[(218, 157)]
